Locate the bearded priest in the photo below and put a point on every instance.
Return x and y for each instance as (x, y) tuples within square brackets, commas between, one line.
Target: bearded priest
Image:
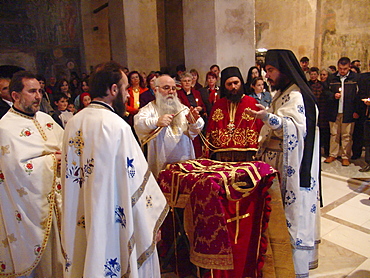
[(30, 143), (174, 125), (112, 205), (232, 134)]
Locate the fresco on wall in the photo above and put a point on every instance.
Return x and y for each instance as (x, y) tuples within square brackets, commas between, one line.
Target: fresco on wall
[(48, 30), (336, 43)]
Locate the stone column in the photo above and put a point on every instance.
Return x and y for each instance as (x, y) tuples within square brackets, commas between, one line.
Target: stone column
[(134, 34), (219, 32)]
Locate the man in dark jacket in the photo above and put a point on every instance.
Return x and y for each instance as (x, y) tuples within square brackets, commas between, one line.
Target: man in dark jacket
[(343, 105)]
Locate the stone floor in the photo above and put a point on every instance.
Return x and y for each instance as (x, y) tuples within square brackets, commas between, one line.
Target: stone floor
[(345, 223)]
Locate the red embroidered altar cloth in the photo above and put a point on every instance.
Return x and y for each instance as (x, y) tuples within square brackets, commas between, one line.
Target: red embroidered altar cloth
[(226, 212)]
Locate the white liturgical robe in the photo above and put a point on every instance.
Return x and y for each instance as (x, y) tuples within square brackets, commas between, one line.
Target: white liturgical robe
[(112, 205), (29, 190), (168, 146)]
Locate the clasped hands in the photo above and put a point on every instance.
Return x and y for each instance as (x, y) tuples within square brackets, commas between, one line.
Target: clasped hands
[(191, 117)]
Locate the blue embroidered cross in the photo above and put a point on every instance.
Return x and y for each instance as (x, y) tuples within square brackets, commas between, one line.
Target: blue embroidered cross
[(130, 167), (149, 203)]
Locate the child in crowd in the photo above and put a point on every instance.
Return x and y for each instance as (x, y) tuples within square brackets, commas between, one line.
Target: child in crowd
[(85, 100), (61, 114), (71, 107)]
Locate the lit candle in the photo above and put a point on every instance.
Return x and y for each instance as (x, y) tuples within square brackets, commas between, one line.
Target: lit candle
[(340, 89), (138, 104), (196, 100)]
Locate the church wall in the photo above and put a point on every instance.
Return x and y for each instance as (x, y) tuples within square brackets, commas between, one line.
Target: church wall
[(200, 36), (218, 32), (287, 24), (141, 33), (235, 34), (323, 30), (345, 31), (95, 26)]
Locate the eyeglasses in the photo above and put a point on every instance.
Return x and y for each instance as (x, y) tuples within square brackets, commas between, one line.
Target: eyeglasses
[(168, 88)]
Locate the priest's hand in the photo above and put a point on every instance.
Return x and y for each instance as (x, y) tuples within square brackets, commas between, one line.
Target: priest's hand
[(165, 120), (193, 115), (260, 114), (58, 156)]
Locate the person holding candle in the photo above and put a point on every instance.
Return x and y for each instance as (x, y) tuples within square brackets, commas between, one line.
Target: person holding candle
[(343, 108), (137, 87)]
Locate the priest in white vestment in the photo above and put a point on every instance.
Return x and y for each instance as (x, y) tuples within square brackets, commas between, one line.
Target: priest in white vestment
[(30, 143), (289, 141), (113, 207), (178, 126)]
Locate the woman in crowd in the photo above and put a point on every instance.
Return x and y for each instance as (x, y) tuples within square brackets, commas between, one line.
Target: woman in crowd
[(85, 100), (148, 95), (75, 86), (84, 88), (137, 87), (259, 93), (191, 97), (63, 87), (211, 93), (194, 82), (253, 73)]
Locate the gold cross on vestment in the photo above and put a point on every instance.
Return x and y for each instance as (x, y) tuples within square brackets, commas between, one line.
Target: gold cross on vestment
[(77, 142), (237, 219)]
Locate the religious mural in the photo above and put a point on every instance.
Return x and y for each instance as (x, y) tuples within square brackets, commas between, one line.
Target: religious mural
[(48, 30)]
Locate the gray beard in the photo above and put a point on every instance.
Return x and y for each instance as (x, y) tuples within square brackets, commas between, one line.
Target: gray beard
[(169, 106)]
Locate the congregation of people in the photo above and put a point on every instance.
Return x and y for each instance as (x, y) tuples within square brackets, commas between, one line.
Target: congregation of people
[(80, 198)]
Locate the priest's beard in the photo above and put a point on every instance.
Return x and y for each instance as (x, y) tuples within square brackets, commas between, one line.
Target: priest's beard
[(280, 82), (119, 105), (235, 95), (168, 105)]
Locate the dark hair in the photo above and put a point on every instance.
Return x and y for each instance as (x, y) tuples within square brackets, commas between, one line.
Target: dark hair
[(249, 77), (148, 78), (180, 68), (312, 69), (248, 84), (59, 96), (40, 77), (141, 84), (211, 73), (16, 83), (304, 59), (334, 68), (254, 82), (357, 69), (344, 61), (354, 61), (86, 80), (103, 77), (211, 67), (60, 84)]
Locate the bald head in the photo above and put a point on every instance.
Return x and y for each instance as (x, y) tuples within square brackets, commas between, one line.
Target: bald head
[(165, 85)]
